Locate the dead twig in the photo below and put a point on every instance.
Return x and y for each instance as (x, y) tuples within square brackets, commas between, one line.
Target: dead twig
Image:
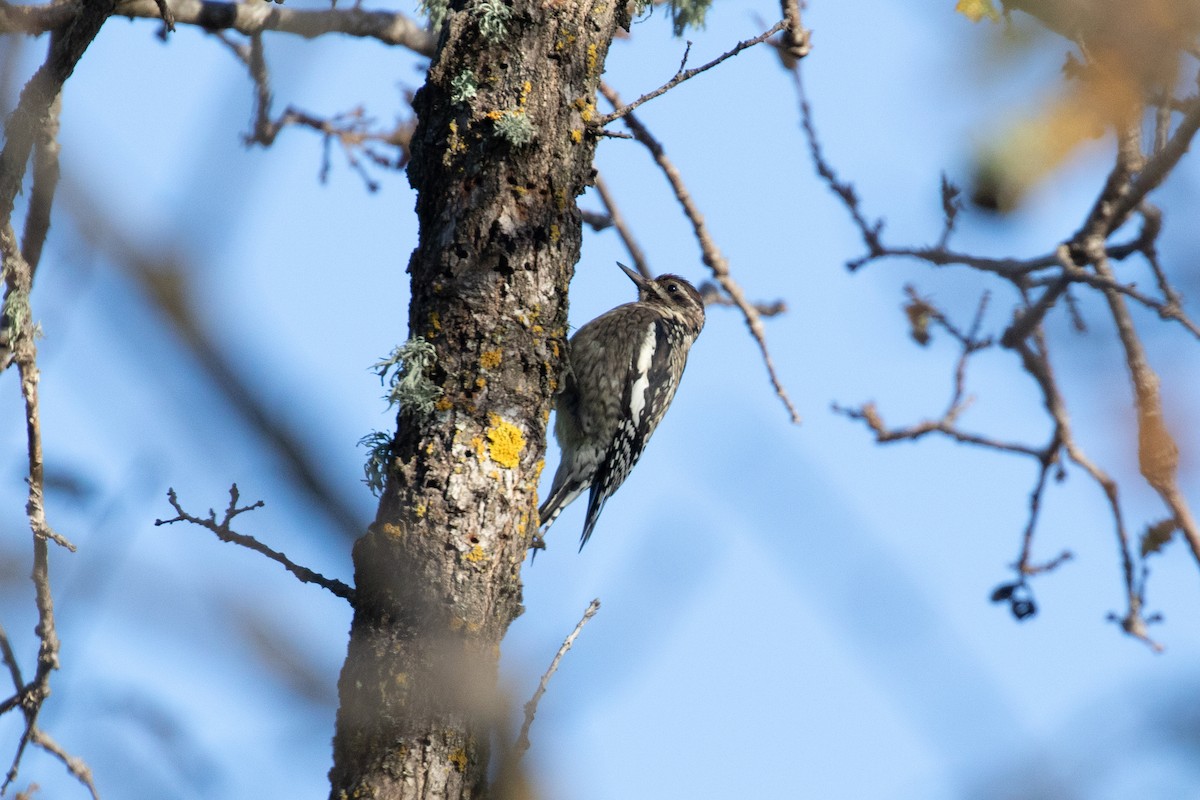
[(21, 333), (522, 744), (687, 74), (226, 534), (353, 130)]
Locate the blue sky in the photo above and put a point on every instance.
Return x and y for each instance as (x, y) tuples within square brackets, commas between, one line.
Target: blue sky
[(788, 611)]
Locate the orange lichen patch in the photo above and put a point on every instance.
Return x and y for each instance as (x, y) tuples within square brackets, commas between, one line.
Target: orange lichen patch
[(390, 530), (475, 554), (506, 440), (459, 759), (479, 447), (576, 135), (480, 382), (490, 359), (586, 108), (443, 404)]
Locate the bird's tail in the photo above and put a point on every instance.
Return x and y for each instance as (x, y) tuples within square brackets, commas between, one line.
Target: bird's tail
[(560, 497)]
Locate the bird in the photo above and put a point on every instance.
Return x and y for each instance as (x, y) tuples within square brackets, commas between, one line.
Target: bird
[(622, 373)]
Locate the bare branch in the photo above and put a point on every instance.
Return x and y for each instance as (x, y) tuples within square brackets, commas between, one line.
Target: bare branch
[(21, 333), (869, 414), (711, 254), (687, 74), (531, 707), (1035, 362), (1123, 193), (351, 130), (75, 765), (225, 534), (24, 125), (1155, 170), (618, 221), (1158, 454), (389, 27), (713, 296)]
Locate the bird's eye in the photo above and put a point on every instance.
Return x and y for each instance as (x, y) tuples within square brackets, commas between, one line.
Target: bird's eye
[(672, 288)]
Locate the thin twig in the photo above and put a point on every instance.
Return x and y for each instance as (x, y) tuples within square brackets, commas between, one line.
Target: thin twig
[(351, 130), (1158, 454), (225, 534), (31, 697), (80, 25), (522, 744), (75, 765), (946, 426), (618, 221), (1035, 362), (713, 296), (687, 74), (711, 254)]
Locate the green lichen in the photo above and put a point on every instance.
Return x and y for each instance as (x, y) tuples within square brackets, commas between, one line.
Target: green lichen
[(406, 373), (492, 17), (379, 459), (14, 314), (463, 87), (515, 127)]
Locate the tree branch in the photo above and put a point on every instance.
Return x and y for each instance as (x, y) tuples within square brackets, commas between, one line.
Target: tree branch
[(531, 707), (687, 74), (225, 534), (389, 27)]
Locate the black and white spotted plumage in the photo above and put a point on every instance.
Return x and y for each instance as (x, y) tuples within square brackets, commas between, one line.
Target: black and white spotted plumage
[(624, 369)]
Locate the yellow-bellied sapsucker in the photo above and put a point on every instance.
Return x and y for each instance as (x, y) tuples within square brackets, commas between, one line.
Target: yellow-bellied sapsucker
[(624, 368)]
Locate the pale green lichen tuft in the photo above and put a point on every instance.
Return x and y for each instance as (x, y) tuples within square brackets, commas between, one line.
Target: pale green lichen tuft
[(463, 87), (515, 127), (15, 314), (406, 373), (492, 16), (379, 459)]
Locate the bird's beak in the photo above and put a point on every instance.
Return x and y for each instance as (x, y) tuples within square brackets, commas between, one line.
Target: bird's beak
[(634, 275)]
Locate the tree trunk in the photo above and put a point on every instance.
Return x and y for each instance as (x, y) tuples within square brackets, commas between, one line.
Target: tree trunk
[(496, 171)]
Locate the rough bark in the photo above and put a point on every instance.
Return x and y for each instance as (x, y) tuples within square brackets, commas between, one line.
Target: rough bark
[(438, 573)]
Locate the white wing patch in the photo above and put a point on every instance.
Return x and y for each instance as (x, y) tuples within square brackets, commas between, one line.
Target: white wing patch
[(641, 384)]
